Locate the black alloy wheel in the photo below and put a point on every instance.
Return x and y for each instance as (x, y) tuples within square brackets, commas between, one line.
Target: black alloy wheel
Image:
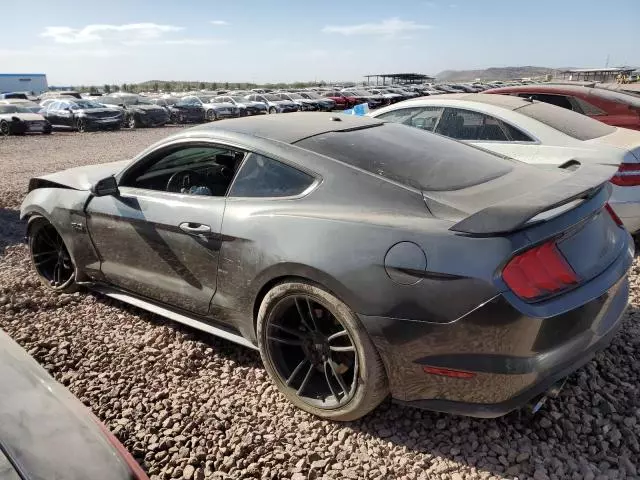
[(312, 352), (211, 115), (5, 130), (81, 125), (50, 257), (318, 353)]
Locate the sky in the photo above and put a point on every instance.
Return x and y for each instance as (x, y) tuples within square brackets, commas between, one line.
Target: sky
[(260, 41)]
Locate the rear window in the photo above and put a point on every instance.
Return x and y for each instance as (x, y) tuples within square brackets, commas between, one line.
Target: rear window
[(411, 156), (570, 123)]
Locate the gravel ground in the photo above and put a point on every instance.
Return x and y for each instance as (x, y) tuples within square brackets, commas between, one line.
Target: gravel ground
[(191, 406)]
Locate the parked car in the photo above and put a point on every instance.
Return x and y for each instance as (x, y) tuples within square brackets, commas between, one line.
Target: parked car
[(304, 104), (18, 120), (47, 433), (245, 205), (187, 110), (273, 103), (137, 111), (362, 96), (61, 93), (342, 100), (533, 132), (390, 96), (246, 107), (609, 106), (214, 110), (82, 115), (13, 95), (164, 102), (325, 104), (28, 104)]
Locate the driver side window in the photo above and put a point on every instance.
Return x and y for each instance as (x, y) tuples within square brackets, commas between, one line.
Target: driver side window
[(195, 170)]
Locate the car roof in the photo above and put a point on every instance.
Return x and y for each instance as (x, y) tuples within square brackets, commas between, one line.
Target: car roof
[(290, 127), (505, 101)]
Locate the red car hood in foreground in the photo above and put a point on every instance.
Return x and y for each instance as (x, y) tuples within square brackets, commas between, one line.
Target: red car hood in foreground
[(46, 433)]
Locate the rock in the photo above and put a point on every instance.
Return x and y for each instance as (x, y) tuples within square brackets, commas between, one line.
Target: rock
[(188, 472)]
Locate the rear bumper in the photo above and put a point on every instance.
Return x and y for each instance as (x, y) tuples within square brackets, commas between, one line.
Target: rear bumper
[(628, 210), (513, 357)]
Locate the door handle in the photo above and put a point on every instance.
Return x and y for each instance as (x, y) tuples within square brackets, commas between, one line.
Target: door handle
[(196, 228)]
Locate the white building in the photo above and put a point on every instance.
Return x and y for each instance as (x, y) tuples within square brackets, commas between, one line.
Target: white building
[(23, 82)]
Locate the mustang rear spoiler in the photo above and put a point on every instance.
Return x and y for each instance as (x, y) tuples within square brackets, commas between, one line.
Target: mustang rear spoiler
[(514, 213)]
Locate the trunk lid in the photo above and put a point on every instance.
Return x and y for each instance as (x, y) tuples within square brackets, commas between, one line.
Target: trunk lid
[(622, 138)]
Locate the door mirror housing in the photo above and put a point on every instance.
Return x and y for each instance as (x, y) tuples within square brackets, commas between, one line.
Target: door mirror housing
[(106, 186)]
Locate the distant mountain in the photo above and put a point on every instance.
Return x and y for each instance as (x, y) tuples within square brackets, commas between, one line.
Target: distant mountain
[(501, 73)]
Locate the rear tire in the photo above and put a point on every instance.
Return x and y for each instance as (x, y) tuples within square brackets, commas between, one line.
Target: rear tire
[(349, 379), (132, 122), (272, 110), (5, 129), (211, 115), (49, 257)]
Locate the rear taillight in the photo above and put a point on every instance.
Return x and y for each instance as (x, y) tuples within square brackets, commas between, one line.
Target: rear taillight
[(628, 175), (539, 272), (613, 214)]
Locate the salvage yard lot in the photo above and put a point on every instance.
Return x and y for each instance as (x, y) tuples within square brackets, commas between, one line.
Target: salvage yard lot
[(189, 405)]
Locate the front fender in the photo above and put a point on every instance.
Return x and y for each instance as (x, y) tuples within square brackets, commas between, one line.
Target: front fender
[(64, 209)]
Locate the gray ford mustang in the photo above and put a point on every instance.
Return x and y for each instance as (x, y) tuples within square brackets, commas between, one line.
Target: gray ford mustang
[(363, 259)]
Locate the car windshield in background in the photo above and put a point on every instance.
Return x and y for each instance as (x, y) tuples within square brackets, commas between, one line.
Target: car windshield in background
[(272, 98), (87, 104), (313, 95), (360, 93), (14, 109), (239, 99), (411, 156), (295, 96), (566, 121)]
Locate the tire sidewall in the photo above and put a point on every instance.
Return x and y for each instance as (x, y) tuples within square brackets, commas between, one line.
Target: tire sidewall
[(372, 387), (5, 129)]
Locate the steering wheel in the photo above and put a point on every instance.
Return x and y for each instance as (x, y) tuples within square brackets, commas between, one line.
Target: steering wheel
[(184, 179)]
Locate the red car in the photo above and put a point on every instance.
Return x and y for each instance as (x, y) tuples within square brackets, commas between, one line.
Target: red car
[(610, 107), (343, 101)]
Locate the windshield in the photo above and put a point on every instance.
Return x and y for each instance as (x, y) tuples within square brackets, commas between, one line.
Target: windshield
[(86, 104), (272, 98), (14, 109), (239, 99), (294, 96), (361, 93), (312, 95)]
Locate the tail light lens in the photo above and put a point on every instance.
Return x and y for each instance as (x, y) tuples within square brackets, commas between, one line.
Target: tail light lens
[(539, 272), (628, 175), (614, 215), (136, 471)]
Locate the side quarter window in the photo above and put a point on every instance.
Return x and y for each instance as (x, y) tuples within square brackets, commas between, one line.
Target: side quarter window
[(425, 118), (468, 125), (261, 176)]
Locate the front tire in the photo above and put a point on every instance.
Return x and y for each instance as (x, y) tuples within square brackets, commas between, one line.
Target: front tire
[(50, 257), (211, 116), (81, 125), (132, 122), (272, 110), (318, 353), (5, 129)]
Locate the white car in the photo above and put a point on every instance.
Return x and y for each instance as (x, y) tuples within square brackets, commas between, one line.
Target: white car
[(532, 132)]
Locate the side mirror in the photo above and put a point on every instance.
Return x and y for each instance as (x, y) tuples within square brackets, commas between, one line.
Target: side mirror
[(106, 186)]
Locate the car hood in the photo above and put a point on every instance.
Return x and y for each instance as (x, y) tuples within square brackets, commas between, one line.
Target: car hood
[(46, 431), (621, 138), (146, 108), (27, 117), (82, 178)]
